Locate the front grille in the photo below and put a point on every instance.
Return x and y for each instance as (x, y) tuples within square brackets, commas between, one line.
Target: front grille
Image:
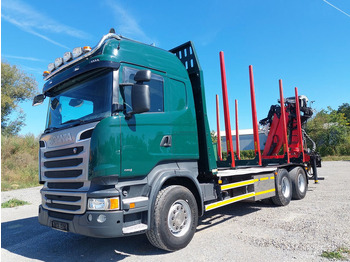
[(64, 163), (72, 185), (61, 215), (64, 168), (63, 198), (64, 202), (64, 152), (63, 174), (63, 206)]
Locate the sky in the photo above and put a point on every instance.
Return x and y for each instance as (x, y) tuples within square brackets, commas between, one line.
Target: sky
[(304, 43)]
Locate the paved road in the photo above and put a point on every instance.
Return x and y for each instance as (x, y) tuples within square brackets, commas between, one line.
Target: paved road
[(239, 232)]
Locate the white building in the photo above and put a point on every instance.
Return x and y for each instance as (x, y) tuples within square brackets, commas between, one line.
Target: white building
[(246, 139)]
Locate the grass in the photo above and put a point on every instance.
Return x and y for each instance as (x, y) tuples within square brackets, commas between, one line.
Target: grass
[(338, 254), (19, 162), (13, 203), (335, 158)]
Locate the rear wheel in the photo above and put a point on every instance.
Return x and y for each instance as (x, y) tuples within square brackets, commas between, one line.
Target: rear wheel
[(299, 182), (175, 218), (283, 188)]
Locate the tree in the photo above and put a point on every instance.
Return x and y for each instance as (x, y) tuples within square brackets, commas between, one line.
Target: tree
[(214, 138), (330, 132), (16, 87), (345, 109)]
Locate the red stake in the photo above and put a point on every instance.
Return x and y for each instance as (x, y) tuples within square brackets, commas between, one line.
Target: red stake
[(254, 116), (218, 128), (284, 124), (226, 110), (298, 116), (237, 131)]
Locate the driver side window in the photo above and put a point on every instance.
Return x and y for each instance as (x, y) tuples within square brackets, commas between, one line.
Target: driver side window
[(156, 86)]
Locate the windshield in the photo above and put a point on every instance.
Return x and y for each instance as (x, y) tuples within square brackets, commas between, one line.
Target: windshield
[(83, 99)]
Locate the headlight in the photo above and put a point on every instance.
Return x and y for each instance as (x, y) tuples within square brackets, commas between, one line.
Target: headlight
[(58, 62), (51, 67), (67, 56), (77, 52), (103, 203)]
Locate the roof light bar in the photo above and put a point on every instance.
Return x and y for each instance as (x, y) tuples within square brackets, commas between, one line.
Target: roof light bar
[(75, 56), (67, 57), (51, 67), (58, 62), (78, 51)]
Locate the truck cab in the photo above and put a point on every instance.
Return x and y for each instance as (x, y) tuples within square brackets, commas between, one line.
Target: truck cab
[(121, 124)]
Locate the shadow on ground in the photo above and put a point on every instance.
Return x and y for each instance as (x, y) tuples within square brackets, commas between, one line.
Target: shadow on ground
[(27, 238), (221, 215)]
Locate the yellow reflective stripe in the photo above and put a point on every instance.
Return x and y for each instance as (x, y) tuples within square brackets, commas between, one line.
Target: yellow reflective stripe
[(228, 201), (238, 184), (264, 192), (264, 178), (272, 177)]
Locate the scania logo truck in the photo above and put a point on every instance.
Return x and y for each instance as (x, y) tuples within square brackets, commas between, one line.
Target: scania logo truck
[(127, 147)]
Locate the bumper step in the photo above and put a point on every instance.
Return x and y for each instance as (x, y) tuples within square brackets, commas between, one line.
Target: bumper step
[(135, 228)]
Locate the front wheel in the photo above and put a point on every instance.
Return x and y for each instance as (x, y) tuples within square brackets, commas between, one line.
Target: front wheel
[(283, 188), (175, 218)]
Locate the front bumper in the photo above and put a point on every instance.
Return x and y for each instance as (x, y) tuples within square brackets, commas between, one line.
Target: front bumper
[(79, 224)]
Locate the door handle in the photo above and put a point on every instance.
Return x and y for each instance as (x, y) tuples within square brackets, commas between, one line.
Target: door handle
[(166, 141)]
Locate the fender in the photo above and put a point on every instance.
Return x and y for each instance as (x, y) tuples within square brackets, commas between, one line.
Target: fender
[(169, 171)]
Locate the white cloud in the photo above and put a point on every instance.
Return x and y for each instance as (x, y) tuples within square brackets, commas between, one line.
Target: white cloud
[(24, 58), (33, 70), (29, 20), (127, 25), (336, 8)]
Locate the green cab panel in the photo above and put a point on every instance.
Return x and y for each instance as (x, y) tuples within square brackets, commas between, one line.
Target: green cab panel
[(171, 119), (105, 148)]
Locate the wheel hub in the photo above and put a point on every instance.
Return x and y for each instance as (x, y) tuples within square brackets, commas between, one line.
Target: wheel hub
[(179, 218), (301, 183), (285, 187)]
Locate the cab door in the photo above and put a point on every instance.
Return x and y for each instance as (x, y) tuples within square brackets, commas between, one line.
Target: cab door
[(145, 138)]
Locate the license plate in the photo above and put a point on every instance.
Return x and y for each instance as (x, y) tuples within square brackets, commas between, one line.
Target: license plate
[(60, 225)]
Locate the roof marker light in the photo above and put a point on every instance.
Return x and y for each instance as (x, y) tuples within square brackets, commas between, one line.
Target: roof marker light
[(78, 51), (87, 48), (46, 73), (58, 62), (67, 56)]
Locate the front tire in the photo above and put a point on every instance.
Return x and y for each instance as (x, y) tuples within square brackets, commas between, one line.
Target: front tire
[(175, 218), (299, 182), (283, 188)]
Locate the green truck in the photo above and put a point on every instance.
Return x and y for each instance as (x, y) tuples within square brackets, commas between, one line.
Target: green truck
[(127, 146)]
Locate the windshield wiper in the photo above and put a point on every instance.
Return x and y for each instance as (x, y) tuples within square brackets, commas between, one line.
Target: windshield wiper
[(75, 121)]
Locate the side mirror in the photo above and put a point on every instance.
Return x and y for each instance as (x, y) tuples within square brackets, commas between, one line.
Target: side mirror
[(141, 99), (38, 100), (143, 76)]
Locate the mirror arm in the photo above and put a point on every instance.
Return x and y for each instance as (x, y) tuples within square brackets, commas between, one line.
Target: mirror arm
[(126, 84), (117, 108), (129, 115)]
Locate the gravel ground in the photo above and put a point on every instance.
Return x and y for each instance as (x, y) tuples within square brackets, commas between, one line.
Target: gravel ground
[(238, 232)]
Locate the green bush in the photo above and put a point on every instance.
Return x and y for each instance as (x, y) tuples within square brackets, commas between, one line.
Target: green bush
[(19, 162)]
